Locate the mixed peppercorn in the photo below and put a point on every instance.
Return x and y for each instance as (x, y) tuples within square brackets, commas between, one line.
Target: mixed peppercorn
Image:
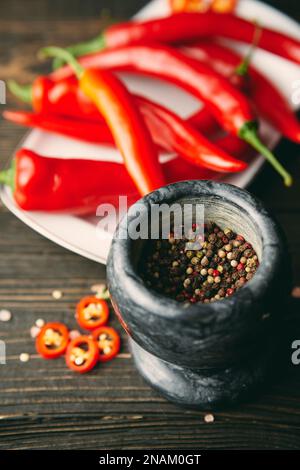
[(222, 263)]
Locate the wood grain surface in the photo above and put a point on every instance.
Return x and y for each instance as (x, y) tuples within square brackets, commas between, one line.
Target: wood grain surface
[(42, 404)]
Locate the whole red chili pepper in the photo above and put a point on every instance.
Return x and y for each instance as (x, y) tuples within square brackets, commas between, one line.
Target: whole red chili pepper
[(181, 27), (180, 136), (51, 97), (130, 133), (168, 131), (228, 105), (78, 186), (259, 88), (87, 131), (64, 98)]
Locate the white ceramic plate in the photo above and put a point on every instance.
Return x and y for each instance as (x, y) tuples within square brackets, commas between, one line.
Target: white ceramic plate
[(79, 234)]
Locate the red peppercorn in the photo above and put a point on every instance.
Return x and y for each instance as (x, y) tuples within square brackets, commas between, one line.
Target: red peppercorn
[(240, 266), (240, 238), (229, 291), (216, 273)]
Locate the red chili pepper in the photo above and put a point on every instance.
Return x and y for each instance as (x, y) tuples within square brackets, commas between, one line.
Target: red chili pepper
[(175, 134), (82, 354), (52, 340), (64, 98), (117, 106), (183, 27), (78, 186), (168, 131), (108, 341), (87, 131), (204, 122), (92, 312), (228, 105), (259, 88)]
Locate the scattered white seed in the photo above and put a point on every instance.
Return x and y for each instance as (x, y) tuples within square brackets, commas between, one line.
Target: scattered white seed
[(24, 357), (34, 331), (98, 288), (40, 323), (209, 418), (57, 294), (265, 316), (5, 315), (296, 292), (74, 334), (107, 350), (234, 263)]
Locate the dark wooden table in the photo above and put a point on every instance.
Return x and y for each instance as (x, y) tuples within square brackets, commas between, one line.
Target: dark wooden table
[(42, 404)]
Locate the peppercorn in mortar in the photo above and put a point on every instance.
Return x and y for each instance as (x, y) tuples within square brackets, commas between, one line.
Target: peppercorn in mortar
[(221, 265)]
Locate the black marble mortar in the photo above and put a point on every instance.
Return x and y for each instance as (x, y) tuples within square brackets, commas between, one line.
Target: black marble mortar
[(204, 355)]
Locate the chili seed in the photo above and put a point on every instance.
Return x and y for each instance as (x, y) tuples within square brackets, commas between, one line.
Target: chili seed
[(5, 315), (40, 323), (24, 357), (209, 418), (57, 294)]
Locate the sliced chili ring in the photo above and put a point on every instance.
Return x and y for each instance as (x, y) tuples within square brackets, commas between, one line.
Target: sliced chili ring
[(108, 342), (92, 312), (82, 354), (52, 340)]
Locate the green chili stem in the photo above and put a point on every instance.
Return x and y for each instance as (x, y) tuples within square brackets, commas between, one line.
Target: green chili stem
[(23, 92), (243, 67), (77, 50), (7, 177), (249, 133), (64, 55)]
